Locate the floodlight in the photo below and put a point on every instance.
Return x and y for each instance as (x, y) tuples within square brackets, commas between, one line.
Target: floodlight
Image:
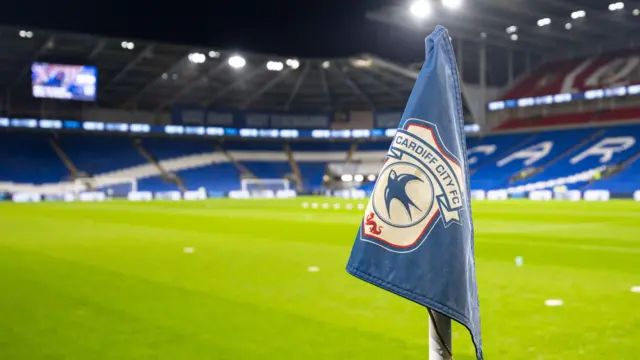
[(197, 58), (636, 12), (514, 37), (420, 9), (616, 6), (544, 22), (568, 26), (578, 14), (214, 54), (452, 4), (293, 63), (346, 177), (512, 29), (326, 65), (371, 177), (358, 178), (275, 66), (361, 63), (237, 62)]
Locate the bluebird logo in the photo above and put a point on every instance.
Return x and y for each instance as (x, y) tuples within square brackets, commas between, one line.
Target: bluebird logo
[(419, 184), (397, 190)]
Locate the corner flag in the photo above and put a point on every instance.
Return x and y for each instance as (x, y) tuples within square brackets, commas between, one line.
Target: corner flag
[(416, 237)]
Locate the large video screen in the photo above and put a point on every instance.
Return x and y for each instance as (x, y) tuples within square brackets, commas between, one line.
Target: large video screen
[(70, 82)]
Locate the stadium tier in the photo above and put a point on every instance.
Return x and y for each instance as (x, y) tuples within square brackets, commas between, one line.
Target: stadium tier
[(602, 116), (585, 158), (580, 75)]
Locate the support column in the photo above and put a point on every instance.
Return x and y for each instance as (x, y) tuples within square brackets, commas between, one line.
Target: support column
[(510, 67)]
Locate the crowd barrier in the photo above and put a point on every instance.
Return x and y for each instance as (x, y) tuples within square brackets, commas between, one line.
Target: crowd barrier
[(140, 196), (571, 195), (541, 195), (168, 195), (497, 195), (26, 197), (596, 195), (195, 195), (92, 196), (478, 194)]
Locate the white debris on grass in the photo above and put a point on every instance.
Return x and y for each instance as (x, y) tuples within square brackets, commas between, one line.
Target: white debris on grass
[(635, 289), (360, 206), (348, 206), (313, 269), (189, 250), (554, 302), (519, 261), (314, 205), (325, 206), (305, 205), (336, 206)]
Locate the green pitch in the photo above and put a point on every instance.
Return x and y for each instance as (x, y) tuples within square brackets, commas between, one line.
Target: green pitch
[(112, 281)]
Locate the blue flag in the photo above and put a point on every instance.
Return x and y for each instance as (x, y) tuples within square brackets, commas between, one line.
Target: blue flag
[(416, 237)]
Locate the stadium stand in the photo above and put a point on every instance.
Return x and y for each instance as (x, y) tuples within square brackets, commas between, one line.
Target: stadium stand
[(594, 118), (571, 76), (29, 158)]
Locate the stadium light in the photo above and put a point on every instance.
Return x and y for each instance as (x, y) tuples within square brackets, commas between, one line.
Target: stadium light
[(326, 65), (636, 12), (275, 66), (616, 6), (578, 14), (358, 178), (512, 29), (371, 177), (346, 178), (293, 63), (127, 45), (568, 26), (165, 76), (483, 35), (420, 9), (452, 4), (25, 34), (197, 58), (544, 22), (214, 54), (361, 63), (514, 37), (237, 62)]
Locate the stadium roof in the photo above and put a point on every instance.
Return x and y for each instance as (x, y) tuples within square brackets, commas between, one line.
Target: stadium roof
[(153, 76), (539, 26)]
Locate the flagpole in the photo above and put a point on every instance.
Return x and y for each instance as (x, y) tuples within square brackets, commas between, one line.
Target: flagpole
[(439, 337)]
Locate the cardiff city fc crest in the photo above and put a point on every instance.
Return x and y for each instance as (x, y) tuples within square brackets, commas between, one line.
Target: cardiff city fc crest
[(420, 183)]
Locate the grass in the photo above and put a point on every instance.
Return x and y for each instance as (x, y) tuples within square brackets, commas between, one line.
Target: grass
[(111, 281)]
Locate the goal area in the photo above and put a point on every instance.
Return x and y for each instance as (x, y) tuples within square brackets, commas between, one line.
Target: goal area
[(259, 185)]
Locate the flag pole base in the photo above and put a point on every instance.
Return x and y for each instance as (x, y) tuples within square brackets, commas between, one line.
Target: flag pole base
[(439, 337)]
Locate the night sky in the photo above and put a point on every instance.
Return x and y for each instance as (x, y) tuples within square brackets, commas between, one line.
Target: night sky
[(303, 28)]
